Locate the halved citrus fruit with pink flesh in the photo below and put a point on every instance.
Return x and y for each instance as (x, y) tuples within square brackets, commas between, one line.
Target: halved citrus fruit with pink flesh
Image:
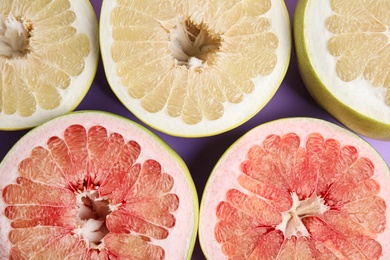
[(49, 54), (297, 188), (91, 185), (343, 51), (194, 67)]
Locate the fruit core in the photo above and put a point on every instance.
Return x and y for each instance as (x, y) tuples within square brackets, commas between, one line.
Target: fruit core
[(193, 45), (14, 36), (292, 220), (92, 214)]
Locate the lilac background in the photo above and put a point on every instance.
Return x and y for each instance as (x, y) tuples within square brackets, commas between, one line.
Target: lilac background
[(201, 154)]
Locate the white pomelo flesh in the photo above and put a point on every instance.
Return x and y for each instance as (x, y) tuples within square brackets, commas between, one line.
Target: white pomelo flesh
[(317, 191), (359, 96), (94, 213), (45, 35), (203, 76)]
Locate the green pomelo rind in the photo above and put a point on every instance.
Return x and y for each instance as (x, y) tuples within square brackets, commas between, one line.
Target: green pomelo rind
[(351, 118), (103, 118)]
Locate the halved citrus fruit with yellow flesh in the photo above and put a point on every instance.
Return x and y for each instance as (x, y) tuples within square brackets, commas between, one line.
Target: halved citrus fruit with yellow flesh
[(297, 188), (92, 185), (194, 68), (343, 51), (49, 53)]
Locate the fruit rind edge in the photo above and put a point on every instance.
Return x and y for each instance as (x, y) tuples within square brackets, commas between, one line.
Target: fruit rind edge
[(349, 117)]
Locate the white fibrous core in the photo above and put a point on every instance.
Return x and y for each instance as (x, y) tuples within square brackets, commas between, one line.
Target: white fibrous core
[(14, 36), (192, 45), (292, 220), (93, 212)]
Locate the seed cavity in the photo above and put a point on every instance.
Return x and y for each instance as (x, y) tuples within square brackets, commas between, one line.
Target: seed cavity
[(192, 45), (93, 212), (292, 220), (15, 33)]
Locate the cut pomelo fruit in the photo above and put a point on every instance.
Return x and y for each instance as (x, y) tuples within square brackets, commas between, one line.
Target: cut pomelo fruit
[(297, 188), (49, 53), (194, 68), (92, 185), (343, 52)]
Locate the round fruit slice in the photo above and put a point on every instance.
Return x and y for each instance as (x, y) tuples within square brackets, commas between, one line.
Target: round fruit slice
[(48, 59), (343, 53), (297, 188), (91, 185), (194, 68)]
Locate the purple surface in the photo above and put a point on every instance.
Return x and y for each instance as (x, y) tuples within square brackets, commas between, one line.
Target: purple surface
[(201, 154)]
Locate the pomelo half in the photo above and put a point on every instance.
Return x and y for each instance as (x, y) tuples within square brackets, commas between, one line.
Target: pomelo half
[(297, 188), (343, 52), (49, 53), (92, 185), (194, 67)]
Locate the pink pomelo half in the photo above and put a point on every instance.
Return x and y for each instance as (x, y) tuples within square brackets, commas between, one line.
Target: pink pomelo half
[(92, 185), (297, 188)]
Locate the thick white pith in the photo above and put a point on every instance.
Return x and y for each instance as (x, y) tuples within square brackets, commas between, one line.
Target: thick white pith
[(353, 93), (14, 36), (291, 224)]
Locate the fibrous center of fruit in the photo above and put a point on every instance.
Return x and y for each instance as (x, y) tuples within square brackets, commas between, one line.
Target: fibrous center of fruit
[(292, 220), (14, 36), (92, 214), (192, 45)]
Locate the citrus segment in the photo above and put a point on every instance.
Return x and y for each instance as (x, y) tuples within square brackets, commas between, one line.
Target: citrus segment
[(48, 58), (90, 189), (26, 191), (123, 245), (58, 248), (275, 197), (359, 247), (342, 50), (125, 221), (364, 41), (297, 189), (188, 67), (34, 239), (32, 216)]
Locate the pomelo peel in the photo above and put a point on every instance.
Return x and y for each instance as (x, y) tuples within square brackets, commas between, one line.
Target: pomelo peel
[(228, 178), (352, 117), (152, 148)]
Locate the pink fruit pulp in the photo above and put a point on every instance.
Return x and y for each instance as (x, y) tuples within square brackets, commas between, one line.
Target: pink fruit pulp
[(91, 193), (297, 189)]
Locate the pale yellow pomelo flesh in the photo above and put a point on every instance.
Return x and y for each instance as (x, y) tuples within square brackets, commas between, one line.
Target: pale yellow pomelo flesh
[(343, 54), (93, 185), (297, 188), (194, 68), (48, 58)]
